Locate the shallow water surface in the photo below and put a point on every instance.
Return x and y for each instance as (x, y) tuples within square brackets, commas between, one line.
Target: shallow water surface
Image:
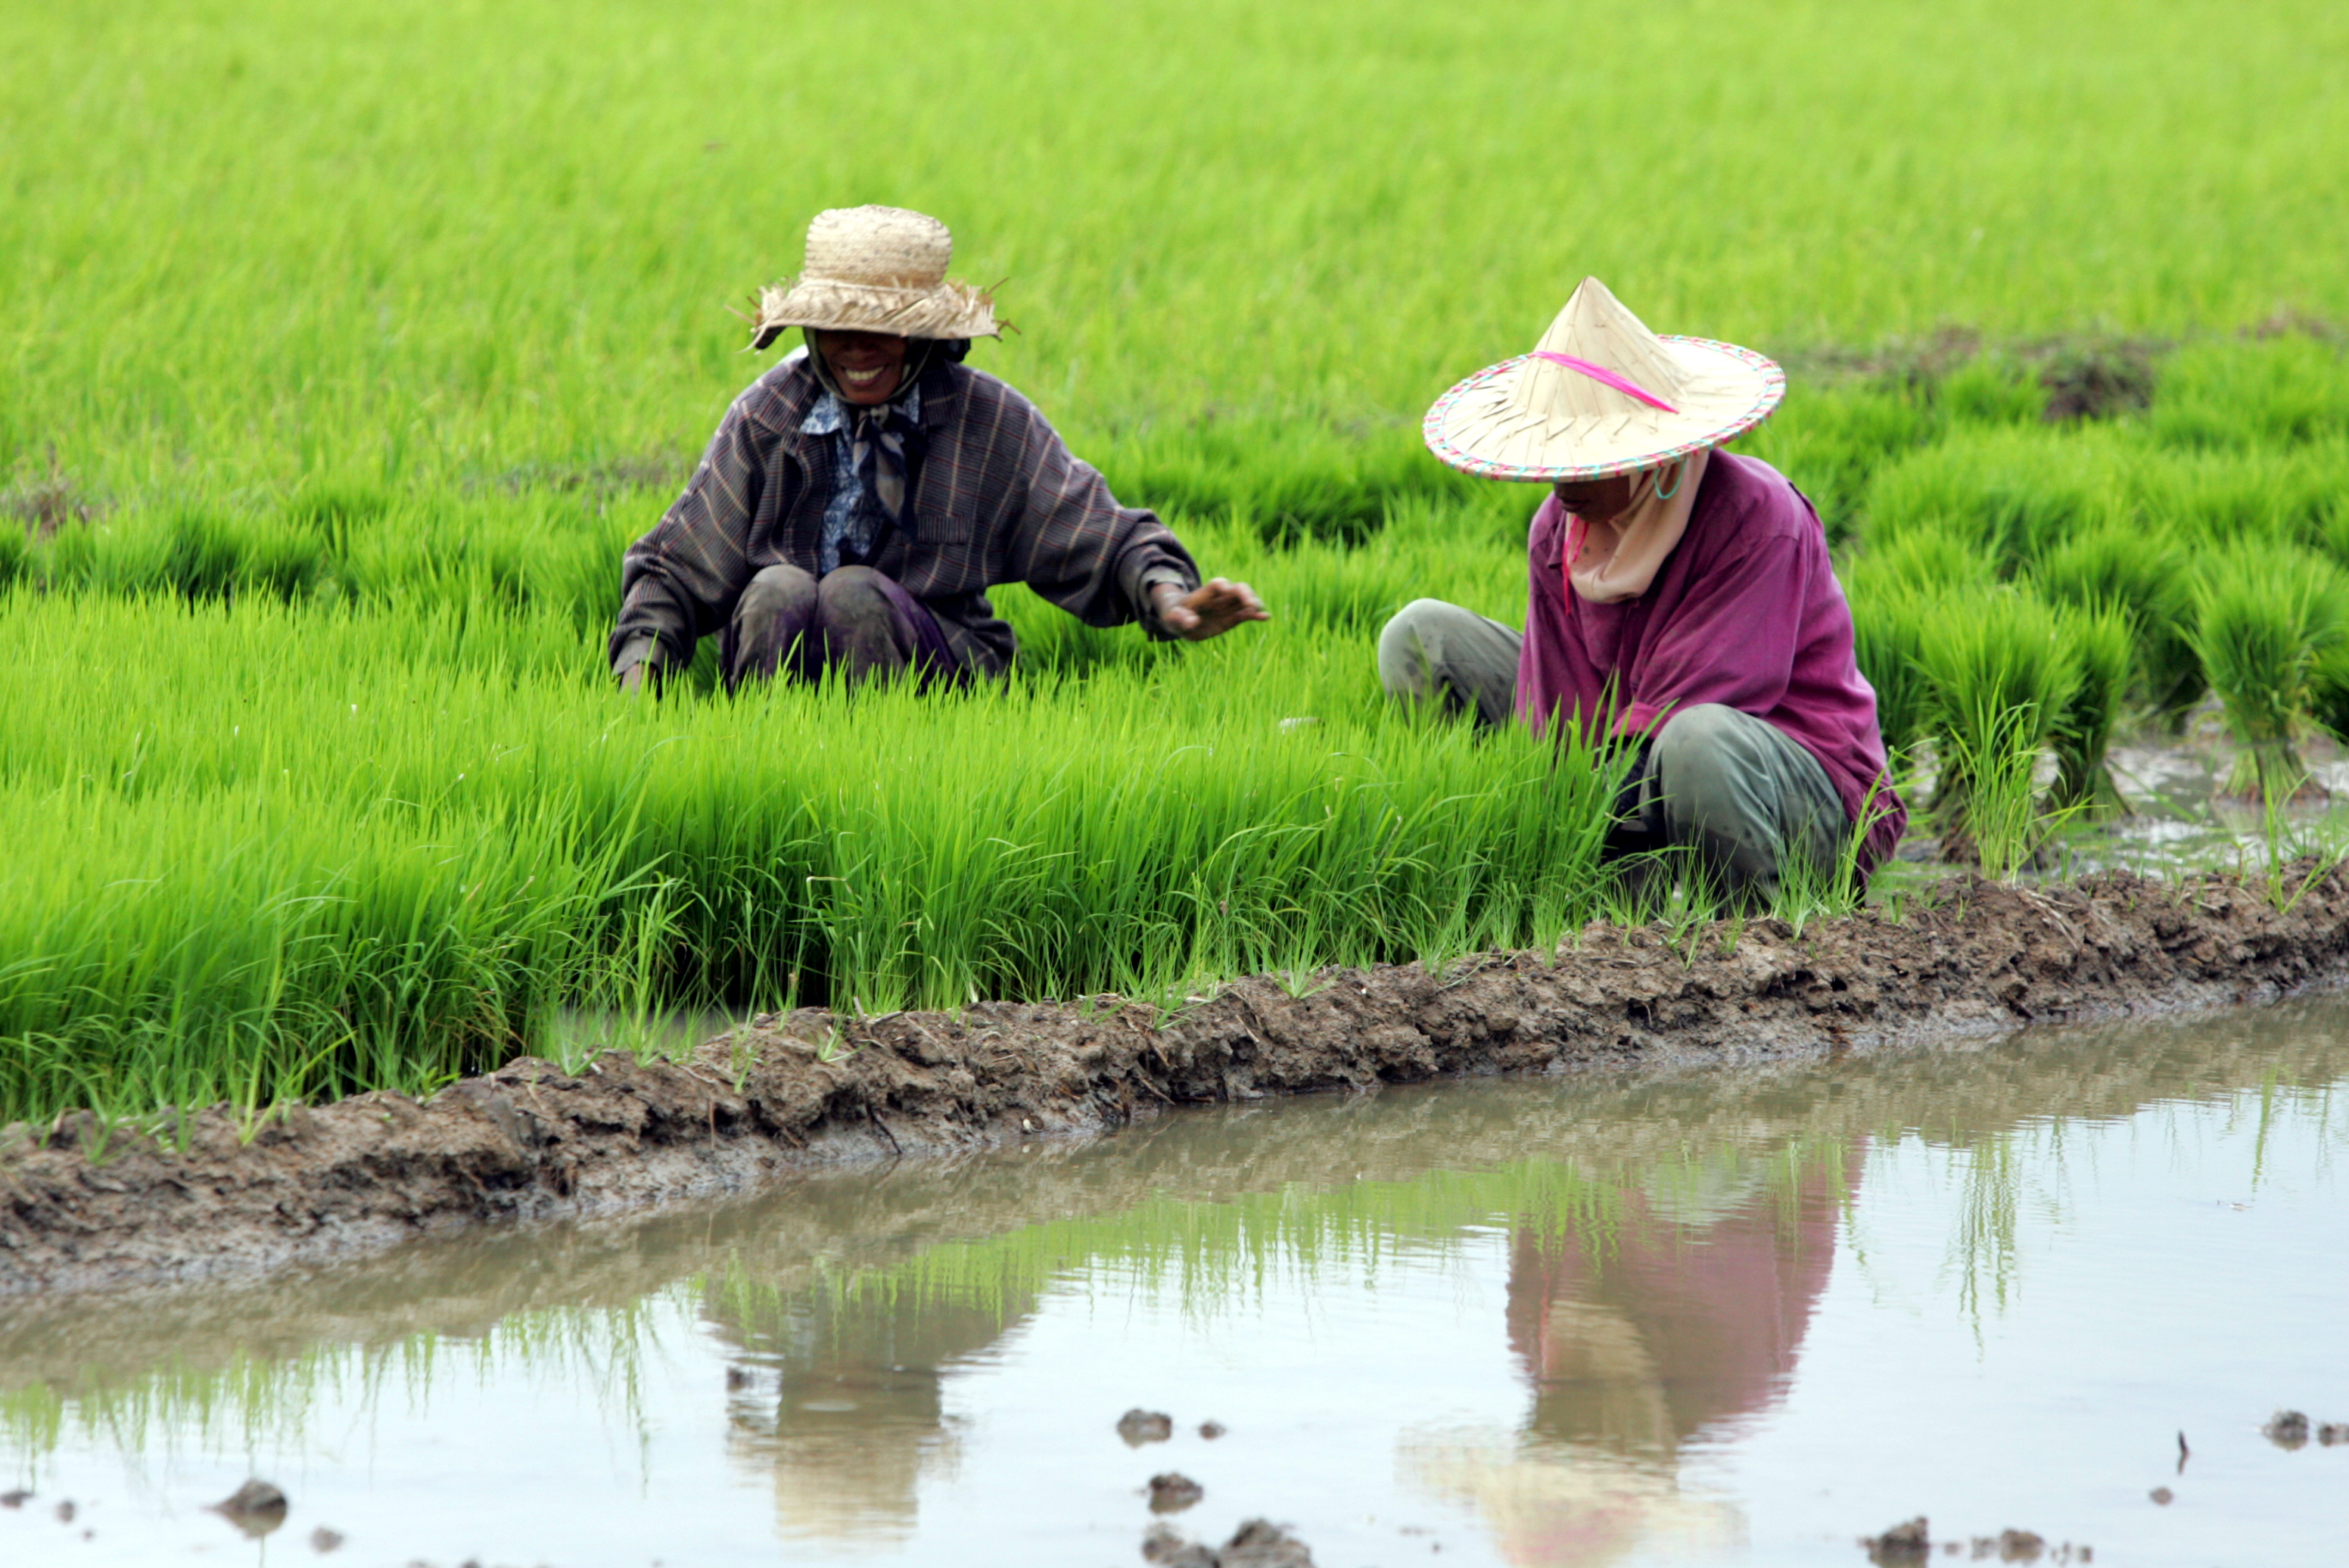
[(1737, 1316)]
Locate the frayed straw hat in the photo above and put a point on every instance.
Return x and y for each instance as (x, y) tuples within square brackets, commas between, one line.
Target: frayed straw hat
[(1602, 395), (875, 269)]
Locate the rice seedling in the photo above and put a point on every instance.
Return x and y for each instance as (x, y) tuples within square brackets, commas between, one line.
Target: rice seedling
[(1889, 629), (2139, 572), (2264, 618), (2002, 671), (306, 850), (348, 356), (2287, 388), (2104, 649), (2224, 498), (2016, 493), (470, 245)]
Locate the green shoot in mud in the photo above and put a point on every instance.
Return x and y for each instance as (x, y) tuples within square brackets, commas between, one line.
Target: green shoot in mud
[(2265, 615), (2105, 650), (2001, 670), (348, 356)]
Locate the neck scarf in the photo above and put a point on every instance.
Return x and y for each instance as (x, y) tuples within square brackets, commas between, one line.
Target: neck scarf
[(875, 437), (1609, 561)]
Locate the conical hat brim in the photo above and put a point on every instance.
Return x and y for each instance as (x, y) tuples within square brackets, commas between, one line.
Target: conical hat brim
[(1476, 428)]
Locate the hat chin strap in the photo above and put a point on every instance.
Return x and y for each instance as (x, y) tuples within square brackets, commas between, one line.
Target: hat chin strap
[(1606, 378)]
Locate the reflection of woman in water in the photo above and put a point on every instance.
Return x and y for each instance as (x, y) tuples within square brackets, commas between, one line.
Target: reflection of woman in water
[(860, 1414), (1681, 1321)]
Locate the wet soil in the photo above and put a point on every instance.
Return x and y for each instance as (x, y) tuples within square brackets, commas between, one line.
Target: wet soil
[(82, 1205)]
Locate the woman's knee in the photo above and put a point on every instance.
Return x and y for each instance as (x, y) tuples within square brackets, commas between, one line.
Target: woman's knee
[(851, 589), (776, 590), (1697, 737)]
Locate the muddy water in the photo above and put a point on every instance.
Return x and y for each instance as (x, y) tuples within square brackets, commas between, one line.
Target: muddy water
[(1727, 1317)]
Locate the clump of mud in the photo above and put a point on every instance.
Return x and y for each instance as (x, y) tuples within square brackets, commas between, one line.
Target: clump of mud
[(1139, 1425), (82, 1204), (1258, 1543)]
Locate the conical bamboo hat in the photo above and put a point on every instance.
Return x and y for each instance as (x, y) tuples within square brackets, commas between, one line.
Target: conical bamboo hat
[(1602, 395), (875, 269)]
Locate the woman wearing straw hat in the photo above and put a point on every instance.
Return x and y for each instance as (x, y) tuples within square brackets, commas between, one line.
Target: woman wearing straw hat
[(861, 497), (1683, 599)]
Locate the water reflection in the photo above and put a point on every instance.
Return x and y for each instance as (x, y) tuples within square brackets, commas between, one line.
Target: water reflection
[(839, 1407), (1684, 1314), (1661, 1248)]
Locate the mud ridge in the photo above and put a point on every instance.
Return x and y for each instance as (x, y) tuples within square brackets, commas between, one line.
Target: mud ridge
[(81, 1206)]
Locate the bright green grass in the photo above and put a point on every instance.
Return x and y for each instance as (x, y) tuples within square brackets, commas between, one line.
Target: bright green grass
[(367, 334), (251, 243), (301, 850)]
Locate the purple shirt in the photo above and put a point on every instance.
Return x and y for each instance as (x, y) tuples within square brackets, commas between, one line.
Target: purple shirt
[(1746, 611)]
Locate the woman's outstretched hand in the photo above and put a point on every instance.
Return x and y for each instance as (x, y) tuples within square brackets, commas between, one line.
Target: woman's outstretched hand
[(1210, 610)]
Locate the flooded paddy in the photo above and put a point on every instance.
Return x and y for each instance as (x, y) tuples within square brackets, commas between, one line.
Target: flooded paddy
[(1732, 1317)]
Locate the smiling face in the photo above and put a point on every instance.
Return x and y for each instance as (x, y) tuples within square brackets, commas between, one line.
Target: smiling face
[(867, 365), (1595, 501)]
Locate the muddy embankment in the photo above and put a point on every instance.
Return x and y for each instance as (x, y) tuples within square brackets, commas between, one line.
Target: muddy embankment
[(809, 1089)]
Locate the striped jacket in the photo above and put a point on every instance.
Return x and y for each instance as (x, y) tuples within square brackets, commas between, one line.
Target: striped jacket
[(997, 497)]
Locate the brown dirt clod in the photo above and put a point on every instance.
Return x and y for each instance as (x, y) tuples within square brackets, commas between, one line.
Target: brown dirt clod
[(1261, 1543), (256, 1508), (84, 1205), (1139, 1425), (2286, 1429), (1170, 1492), (1911, 1541)]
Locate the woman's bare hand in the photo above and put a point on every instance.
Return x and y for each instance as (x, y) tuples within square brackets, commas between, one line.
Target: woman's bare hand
[(1210, 610)]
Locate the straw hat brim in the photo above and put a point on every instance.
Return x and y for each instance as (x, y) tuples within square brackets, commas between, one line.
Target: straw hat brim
[(1472, 427), (945, 310)]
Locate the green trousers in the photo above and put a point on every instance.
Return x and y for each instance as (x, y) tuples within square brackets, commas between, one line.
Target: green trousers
[(1733, 788)]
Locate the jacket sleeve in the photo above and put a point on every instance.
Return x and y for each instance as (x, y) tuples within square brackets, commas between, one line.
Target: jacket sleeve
[(1729, 640), (1075, 546), (679, 582)]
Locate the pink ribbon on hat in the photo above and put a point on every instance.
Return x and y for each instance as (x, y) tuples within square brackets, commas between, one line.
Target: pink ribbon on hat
[(1606, 378)]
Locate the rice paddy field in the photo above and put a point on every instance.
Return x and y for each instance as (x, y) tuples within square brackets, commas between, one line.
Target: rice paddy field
[(344, 348)]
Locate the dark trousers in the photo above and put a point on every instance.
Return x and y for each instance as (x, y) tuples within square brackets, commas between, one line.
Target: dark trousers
[(854, 619)]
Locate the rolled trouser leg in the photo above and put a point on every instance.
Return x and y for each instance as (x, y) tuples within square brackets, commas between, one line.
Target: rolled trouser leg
[(1748, 799), (772, 626), (871, 626), (1435, 657)]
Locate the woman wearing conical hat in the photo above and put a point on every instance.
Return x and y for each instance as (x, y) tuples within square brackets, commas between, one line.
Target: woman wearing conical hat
[(861, 497), (1683, 599)]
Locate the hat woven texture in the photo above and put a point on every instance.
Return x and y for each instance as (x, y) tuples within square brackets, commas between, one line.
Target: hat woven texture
[(1602, 395), (875, 269)]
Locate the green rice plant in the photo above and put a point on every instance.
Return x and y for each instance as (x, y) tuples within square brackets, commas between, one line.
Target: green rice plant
[(1830, 437), (2328, 691), (1285, 480), (2104, 647), (2223, 498), (2001, 670), (302, 851), (1933, 558), (399, 255), (2265, 615), (1991, 389), (2283, 390), (2016, 493), (2139, 571), (1888, 623)]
